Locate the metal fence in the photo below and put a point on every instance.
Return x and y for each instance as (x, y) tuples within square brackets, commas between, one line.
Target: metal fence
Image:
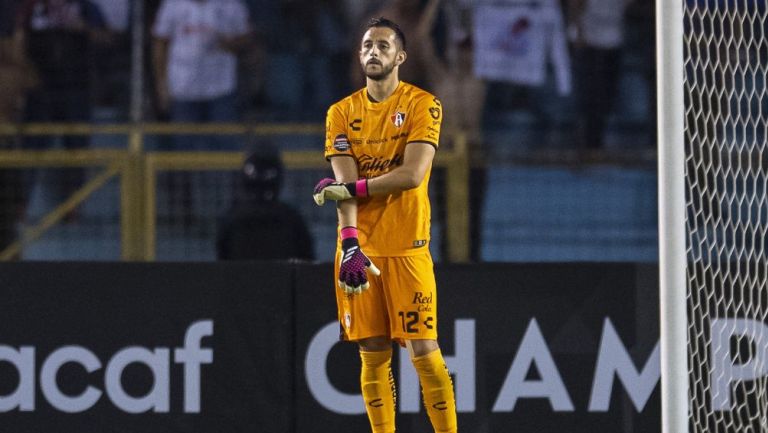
[(134, 175)]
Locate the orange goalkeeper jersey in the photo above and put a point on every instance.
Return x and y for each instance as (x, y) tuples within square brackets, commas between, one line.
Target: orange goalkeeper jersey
[(375, 134)]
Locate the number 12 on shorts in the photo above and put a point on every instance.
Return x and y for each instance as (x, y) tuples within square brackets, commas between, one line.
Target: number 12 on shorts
[(409, 320)]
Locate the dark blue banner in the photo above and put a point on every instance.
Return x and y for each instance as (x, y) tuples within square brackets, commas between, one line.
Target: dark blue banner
[(249, 347)]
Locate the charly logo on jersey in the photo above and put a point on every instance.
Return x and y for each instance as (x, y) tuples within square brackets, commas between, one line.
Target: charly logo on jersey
[(341, 143), (398, 118)]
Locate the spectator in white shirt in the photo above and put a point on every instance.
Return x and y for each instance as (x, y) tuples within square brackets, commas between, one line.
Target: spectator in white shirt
[(195, 49)]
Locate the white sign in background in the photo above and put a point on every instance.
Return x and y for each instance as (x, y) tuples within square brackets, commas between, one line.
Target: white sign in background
[(613, 363)]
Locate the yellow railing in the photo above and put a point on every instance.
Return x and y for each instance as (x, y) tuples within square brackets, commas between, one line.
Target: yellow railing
[(138, 171)]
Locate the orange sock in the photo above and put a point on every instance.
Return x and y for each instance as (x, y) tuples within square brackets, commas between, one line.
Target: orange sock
[(437, 390), (378, 386)]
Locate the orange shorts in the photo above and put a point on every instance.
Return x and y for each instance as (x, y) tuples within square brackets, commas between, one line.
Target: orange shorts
[(400, 304)]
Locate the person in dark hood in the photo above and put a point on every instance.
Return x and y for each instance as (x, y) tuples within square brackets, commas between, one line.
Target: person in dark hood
[(259, 226)]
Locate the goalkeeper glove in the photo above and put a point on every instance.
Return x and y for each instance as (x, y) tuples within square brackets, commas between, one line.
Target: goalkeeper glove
[(354, 263), (329, 189)]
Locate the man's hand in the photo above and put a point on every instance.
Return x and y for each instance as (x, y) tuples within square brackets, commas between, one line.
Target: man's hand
[(163, 100), (234, 44), (354, 263), (329, 189)]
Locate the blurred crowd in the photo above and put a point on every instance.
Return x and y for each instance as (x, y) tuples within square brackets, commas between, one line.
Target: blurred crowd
[(517, 77), (552, 63)]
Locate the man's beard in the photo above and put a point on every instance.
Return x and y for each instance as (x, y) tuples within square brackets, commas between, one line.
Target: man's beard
[(382, 74)]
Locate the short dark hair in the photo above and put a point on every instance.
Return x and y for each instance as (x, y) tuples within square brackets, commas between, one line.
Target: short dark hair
[(383, 22)]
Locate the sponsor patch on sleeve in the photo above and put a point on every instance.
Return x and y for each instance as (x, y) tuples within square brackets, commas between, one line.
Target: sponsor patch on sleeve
[(341, 143)]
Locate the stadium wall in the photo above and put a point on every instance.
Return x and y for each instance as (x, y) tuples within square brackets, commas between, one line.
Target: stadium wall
[(252, 347)]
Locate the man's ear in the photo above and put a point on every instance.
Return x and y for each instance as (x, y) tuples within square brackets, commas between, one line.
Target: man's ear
[(400, 58)]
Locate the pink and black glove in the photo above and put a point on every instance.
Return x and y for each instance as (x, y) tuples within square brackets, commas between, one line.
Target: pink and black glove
[(354, 264), (329, 189)]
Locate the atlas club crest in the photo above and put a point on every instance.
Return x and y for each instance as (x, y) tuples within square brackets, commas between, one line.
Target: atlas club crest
[(398, 118)]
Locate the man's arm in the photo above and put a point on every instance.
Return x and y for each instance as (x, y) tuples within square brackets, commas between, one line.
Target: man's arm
[(236, 44), (417, 160), (437, 67), (96, 25), (238, 34), (160, 63), (345, 170), (354, 263), (575, 9)]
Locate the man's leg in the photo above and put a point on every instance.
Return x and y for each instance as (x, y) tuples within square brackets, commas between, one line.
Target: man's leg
[(377, 383), (184, 186), (72, 105), (436, 385)]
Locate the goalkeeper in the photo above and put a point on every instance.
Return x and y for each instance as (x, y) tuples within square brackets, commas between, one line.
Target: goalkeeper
[(381, 141)]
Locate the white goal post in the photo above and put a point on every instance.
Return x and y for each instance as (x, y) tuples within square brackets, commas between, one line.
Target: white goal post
[(712, 68), (671, 178)]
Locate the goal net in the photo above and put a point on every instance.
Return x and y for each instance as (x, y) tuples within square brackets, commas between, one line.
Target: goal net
[(726, 193)]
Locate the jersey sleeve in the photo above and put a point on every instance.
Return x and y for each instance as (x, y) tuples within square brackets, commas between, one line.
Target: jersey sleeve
[(336, 140), (163, 27), (427, 119), (239, 19)]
